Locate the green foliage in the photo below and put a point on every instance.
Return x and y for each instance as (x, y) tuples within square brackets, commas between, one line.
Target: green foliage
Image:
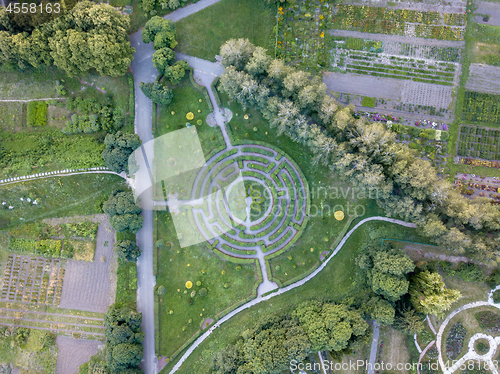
[(127, 250), (429, 294), (158, 93), (163, 58), (470, 272), (161, 290), (381, 310), (368, 102), (481, 107), (161, 32), (124, 216), (329, 326), (37, 113), (119, 147), (123, 338), (409, 321)]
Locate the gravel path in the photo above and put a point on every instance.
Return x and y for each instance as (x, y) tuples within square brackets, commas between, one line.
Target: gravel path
[(374, 347), (73, 353), (87, 285), (490, 8)]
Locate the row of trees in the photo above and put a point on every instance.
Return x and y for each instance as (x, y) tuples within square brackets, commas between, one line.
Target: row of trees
[(162, 33), (366, 154), (89, 36), (275, 341)]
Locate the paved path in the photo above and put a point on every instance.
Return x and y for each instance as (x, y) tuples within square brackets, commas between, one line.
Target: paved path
[(280, 291), (144, 71), (373, 349), (28, 100)]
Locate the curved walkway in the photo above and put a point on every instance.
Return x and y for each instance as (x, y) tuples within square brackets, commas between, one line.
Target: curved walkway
[(284, 289), (60, 173)]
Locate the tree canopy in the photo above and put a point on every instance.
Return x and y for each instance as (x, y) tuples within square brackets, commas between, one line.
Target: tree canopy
[(124, 215), (89, 36), (127, 250), (118, 149)]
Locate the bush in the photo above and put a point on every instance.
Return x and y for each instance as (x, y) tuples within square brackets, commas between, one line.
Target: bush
[(455, 340), (496, 297), (37, 113), (161, 290), (470, 272), (368, 102), (494, 279), (488, 321), (203, 292)]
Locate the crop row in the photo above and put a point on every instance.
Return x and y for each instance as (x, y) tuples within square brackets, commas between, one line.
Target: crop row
[(481, 107), (379, 74)]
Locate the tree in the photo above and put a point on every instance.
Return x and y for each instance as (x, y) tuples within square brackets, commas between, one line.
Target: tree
[(237, 52), (409, 321), (121, 202), (390, 286), (429, 294), (161, 32), (259, 62), (163, 58), (119, 147), (176, 72), (125, 355), (381, 310), (127, 222), (329, 326), (127, 250), (158, 93)]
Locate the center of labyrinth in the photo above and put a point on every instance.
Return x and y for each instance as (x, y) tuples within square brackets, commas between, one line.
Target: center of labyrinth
[(254, 198)]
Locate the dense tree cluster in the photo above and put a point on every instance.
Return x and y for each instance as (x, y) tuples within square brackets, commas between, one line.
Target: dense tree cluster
[(94, 117), (124, 213), (89, 36), (365, 153), (127, 250), (274, 342), (162, 33), (149, 5), (118, 149)]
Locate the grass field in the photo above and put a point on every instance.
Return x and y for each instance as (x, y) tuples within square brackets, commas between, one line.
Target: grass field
[(203, 33), (56, 197), (182, 309), (339, 279)]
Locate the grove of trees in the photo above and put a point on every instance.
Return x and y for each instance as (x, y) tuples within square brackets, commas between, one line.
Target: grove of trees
[(162, 33), (89, 36), (364, 153)]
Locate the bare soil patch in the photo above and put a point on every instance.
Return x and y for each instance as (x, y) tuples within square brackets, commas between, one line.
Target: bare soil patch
[(88, 285), (73, 353), (488, 8), (386, 88), (426, 94), (484, 78)]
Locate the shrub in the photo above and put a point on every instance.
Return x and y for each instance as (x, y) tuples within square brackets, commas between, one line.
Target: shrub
[(488, 321), (37, 113), (470, 272), (368, 102), (161, 290), (203, 292), (455, 340), (496, 297)]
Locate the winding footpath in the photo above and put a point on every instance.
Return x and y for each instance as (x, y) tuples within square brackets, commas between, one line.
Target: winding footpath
[(280, 291)]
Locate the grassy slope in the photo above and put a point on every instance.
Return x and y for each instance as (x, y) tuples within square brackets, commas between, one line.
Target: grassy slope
[(338, 280), (56, 197), (177, 266), (203, 33)]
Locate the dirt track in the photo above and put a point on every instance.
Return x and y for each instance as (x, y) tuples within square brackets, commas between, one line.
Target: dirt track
[(73, 353)]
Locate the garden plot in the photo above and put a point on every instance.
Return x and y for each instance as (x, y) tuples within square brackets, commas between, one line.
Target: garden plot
[(87, 285), (479, 142), (481, 107), (390, 66), (364, 85), (426, 94), (32, 280), (73, 353), (421, 51), (489, 9), (11, 116), (454, 6), (484, 78)]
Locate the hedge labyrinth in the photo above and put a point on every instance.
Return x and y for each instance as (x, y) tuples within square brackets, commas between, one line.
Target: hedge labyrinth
[(254, 198)]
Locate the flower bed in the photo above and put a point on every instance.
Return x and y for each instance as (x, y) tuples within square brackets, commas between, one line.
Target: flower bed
[(455, 340), (488, 321), (481, 107), (476, 162)]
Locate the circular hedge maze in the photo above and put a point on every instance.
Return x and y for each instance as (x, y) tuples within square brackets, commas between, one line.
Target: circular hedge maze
[(254, 198)]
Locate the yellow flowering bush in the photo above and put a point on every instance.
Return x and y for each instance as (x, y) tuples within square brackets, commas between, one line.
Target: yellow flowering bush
[(190, 116)]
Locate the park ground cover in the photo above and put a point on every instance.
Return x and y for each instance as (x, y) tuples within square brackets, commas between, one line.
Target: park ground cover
[(86, 192), (203, 33), (188, 99), (339, 279), (215, 285)]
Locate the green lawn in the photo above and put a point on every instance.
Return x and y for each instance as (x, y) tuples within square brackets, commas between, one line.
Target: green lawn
[(183, 310), (338, 280), (203, 33), (188, 99), (56, 197)]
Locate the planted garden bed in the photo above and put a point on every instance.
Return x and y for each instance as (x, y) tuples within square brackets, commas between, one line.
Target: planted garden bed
[(455, 340)]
